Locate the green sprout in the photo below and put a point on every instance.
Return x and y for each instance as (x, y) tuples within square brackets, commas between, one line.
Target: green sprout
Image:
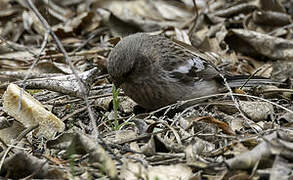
[(116, 103)]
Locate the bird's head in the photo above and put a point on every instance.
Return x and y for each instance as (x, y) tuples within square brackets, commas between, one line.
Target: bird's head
[(127, 56)]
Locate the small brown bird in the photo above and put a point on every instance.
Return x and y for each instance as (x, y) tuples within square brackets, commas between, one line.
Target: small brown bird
[(155, 71)]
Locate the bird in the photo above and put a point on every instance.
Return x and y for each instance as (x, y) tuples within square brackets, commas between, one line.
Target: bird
[(155, 71)]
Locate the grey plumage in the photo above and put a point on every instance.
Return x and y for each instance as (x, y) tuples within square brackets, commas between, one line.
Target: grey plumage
[(154, 71)]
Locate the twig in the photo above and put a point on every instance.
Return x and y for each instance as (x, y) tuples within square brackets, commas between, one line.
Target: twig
[(94, 34), (16, 47), (235, 94), (23, 85), (249, 78), (141, 137), (277, 90), (81, 84), (81, 53), (44, 44), (68, 61), (192, 29), (236, 102), (265, 100), (280, 28)]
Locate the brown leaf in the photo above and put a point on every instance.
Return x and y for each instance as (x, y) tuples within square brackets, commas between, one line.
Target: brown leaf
[(220, 124)]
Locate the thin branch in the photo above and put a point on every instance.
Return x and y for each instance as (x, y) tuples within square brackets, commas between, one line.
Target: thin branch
[(235, 94), (68, 61)]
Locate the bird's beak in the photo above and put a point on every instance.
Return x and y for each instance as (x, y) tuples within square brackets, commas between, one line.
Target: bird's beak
[(116, 83)]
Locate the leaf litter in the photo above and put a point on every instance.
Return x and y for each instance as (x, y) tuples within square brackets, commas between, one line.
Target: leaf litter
[(110, 137)]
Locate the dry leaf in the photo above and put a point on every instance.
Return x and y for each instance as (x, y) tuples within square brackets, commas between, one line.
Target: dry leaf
[(30, 112)]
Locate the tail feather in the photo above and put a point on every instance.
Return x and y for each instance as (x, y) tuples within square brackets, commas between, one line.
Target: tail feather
[(248, 81)]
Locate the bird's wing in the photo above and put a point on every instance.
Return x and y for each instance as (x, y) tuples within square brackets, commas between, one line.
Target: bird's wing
[(189, 66), (185, 66)]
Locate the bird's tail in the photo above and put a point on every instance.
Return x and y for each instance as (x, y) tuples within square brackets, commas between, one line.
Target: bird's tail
[(249, 81)]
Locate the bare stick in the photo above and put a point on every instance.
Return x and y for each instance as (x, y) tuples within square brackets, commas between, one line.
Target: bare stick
[(68, 61), (95, 133), (235, 94)]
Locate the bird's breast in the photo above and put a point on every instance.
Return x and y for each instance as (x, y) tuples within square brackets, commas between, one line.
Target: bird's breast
[(154, 92)]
